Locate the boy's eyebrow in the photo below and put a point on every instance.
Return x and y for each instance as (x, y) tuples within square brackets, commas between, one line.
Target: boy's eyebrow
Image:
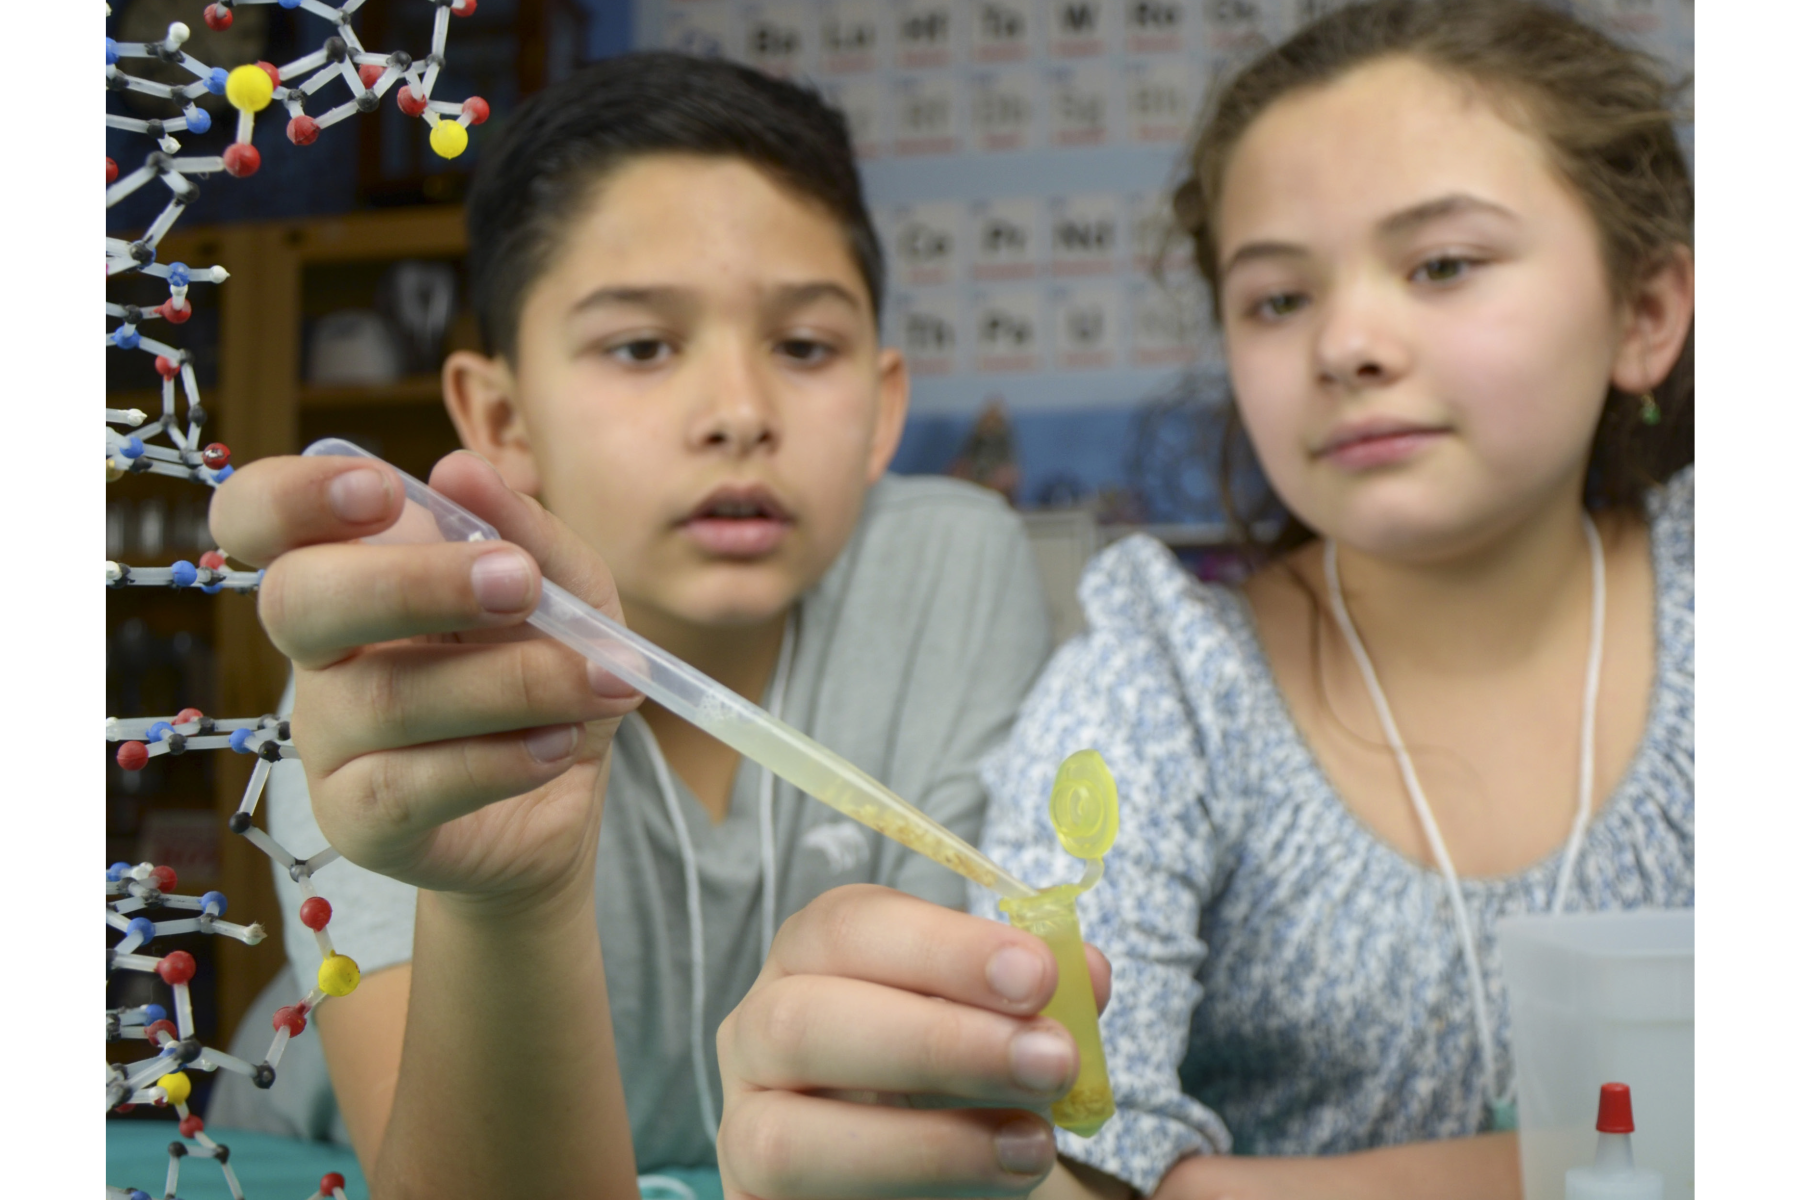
[(1392, 226), (797, 295), (785, 298), (637, 297)]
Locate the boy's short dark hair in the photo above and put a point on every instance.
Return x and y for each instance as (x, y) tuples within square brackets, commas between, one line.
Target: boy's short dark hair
[(558, 144)]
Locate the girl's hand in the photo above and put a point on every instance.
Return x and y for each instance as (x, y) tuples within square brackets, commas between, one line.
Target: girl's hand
[(445, 743), (890, 1048)]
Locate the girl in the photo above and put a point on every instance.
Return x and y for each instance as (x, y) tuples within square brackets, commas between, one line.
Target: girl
[(1450, 251)]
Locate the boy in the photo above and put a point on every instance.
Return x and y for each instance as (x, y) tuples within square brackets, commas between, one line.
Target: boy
[(679, 283)]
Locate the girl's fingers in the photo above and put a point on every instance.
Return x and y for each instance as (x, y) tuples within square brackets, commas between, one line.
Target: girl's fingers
[(778, 1143), (275, 505), (409, 694), (887, 937), (380, 809), (321, 602), (808, 1031)]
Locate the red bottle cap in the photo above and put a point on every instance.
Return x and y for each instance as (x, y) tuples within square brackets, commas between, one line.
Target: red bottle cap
[(1615, 1109)]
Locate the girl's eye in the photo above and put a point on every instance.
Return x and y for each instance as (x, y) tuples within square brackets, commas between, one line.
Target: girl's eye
[(1443, 269), (804, 351), (639, 352), (1282, 304)]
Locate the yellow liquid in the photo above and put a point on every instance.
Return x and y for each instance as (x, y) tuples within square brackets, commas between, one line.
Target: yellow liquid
[(825, 776), (1051, 916)]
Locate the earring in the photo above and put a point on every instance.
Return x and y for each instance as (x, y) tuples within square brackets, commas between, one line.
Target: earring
[(1649, 413)]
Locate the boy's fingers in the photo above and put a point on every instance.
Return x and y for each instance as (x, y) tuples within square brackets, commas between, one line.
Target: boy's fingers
[(777, 1143), (887, 937), (563, 557), (388, 804), (805, 1032), (411, 694), (278, 504), (320, 602)]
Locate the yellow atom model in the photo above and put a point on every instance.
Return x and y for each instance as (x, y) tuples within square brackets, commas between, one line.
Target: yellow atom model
[(338, 975), (249, 88)]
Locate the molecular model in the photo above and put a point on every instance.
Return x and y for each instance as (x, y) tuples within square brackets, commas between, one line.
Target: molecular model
[(135, 444)]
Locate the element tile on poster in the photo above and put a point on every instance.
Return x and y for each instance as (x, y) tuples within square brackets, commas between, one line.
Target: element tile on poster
[(925, 325), (924, 33), (923, 111), (849, 37), (1008, 331), (1080, 107), (1161, 96), (705, 30), (923, 243), (776, 40), (1002, 31), (1156, 241), (1163, 326), (1003, 236), (1237, 28), (1084, 234), (1160, 26), (1002, 110), (1086, 321), (1080, 28), (860, 100)]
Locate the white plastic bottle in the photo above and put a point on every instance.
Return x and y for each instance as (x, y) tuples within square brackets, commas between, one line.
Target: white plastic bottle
[(1613, 1176)]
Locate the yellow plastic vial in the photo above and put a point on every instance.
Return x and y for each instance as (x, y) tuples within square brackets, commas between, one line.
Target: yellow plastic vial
[(1051, 915), (1084, 808)]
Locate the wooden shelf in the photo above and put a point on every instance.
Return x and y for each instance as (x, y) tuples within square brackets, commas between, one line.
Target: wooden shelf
[(415, 389), (383, 235)]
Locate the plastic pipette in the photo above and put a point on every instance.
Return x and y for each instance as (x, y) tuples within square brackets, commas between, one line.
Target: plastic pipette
[(697, 698)]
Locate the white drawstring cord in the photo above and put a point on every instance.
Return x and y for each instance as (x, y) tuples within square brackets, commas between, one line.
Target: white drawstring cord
[(1590, 703), (1415, 793), (765, 807), (690, 869)]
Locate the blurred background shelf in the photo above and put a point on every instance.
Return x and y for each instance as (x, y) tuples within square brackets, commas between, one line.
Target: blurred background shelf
[(415, 389)]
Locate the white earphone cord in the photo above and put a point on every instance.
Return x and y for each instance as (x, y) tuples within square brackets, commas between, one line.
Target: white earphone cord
[(1415, 793), (690, 870)]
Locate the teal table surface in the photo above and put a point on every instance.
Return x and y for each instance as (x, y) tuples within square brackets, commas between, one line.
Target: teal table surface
[(269, 1167)]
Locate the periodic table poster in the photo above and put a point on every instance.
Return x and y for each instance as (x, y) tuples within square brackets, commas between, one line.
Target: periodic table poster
[(1018, 156)]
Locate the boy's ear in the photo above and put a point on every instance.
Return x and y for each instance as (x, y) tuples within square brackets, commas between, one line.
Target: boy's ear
[(893, 392), (1656, 325), (481, 394)]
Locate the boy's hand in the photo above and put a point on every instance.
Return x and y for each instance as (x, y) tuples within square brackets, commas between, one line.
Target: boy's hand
[(446, 744), (890, 1048)]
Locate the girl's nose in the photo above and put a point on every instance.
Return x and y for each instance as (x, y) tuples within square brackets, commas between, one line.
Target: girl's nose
[(1360, 341)]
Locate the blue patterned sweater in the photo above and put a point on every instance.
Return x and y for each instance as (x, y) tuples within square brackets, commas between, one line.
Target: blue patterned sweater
[(1284, 981)]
